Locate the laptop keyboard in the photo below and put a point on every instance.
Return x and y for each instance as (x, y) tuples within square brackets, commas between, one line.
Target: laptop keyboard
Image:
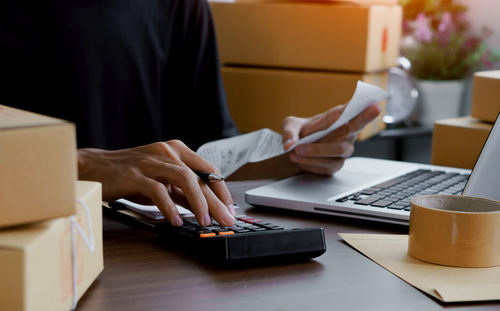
[(397, 193)]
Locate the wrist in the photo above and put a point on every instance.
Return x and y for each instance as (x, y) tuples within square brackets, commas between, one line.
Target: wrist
[(85, 158)]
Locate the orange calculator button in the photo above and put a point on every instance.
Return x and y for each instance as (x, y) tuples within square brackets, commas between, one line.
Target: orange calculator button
[(207, 235), (226, 232)]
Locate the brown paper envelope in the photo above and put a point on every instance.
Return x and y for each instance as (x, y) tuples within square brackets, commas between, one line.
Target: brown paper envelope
[(448, 284)]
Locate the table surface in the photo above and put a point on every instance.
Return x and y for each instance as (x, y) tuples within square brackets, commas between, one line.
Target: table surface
[(142, 272)]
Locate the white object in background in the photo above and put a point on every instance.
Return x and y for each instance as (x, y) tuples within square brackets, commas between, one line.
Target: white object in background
[(404, 94), (438, 100)]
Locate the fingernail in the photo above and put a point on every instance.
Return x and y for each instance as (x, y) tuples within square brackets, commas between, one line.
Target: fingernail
[(177, 221), (231, 209), (228, 218), (207, 221)]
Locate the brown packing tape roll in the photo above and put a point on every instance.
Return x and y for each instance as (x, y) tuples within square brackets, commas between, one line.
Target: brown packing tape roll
[(455, 231)]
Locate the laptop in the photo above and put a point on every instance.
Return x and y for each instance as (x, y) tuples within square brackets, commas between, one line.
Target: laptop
[(381, 190)]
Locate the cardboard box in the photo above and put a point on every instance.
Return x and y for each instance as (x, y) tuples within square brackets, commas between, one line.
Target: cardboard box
[(458, 142), (320, 36), (486, 95), (36, 260), (262, 98), (37, 165)]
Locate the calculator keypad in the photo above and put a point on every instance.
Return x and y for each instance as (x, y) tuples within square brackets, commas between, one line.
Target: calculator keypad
[(244, 224)]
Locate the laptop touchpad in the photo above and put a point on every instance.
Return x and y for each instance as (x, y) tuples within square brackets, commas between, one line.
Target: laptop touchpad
[(313, 187)]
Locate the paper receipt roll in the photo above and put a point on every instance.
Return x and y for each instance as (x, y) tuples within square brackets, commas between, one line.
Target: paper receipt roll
[(455, 231)]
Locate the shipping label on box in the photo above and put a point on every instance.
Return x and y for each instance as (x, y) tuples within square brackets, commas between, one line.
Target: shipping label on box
[(486, 95), (320, 36), (458, 142), (262, 98), (36, 261), (37, 165)]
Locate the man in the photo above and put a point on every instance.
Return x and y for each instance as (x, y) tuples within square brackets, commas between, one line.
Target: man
[(142, 73)]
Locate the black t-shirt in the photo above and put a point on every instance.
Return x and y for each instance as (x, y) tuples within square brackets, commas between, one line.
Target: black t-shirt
[(127, 72)]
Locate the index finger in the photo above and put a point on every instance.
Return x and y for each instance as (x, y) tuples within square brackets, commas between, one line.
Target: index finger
[(196, 162), (322, 121), (365, 117), (351, 129)]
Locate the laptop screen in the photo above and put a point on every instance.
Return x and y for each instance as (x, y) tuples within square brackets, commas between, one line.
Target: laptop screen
[(484, 181)]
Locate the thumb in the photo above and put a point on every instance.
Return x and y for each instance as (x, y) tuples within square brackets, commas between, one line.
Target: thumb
[(291, 127)]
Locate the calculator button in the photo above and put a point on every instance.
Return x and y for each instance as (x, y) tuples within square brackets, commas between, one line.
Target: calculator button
[(250, 220), (258, 229), (190, 227), (207, 235), (253, 221), (254, 227), (226, 232), (192, 221), (211, 228), (247, 226)]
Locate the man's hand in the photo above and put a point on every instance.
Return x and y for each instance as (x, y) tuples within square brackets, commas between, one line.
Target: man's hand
[(327, 155), (162, 174)]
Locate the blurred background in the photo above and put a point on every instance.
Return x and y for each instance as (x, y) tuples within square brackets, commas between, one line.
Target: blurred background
[(303, 57)]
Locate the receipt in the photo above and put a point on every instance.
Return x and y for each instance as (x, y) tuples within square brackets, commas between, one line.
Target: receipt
[(232, 153), (229, 154)]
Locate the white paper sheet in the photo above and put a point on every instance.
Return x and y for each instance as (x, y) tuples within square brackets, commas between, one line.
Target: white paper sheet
[(150, 211), (153, 212), (232, 153), (364, 96)]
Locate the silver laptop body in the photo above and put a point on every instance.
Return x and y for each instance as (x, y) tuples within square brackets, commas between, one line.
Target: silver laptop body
[(329, 195)]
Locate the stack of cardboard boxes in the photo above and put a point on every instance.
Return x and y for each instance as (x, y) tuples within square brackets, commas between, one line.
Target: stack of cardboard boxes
[(458, 142), (302, 58), (38, 199)]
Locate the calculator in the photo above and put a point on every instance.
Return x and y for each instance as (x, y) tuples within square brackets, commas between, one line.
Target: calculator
[(251, 240)]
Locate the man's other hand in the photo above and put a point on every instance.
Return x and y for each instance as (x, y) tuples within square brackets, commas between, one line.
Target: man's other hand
[(327, 155)]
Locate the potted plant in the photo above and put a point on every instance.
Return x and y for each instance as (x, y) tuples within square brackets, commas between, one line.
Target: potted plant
[(443, 52)]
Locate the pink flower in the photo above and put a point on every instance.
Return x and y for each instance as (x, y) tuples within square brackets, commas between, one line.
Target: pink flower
[(471, 43), (446, 23), (485, 60), (423, 31), (445, 28), (407, 27)]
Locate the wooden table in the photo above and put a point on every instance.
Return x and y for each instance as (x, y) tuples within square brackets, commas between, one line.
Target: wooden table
[(143, 273)]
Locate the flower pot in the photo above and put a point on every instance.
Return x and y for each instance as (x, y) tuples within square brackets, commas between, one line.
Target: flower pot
[(438, 100)]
